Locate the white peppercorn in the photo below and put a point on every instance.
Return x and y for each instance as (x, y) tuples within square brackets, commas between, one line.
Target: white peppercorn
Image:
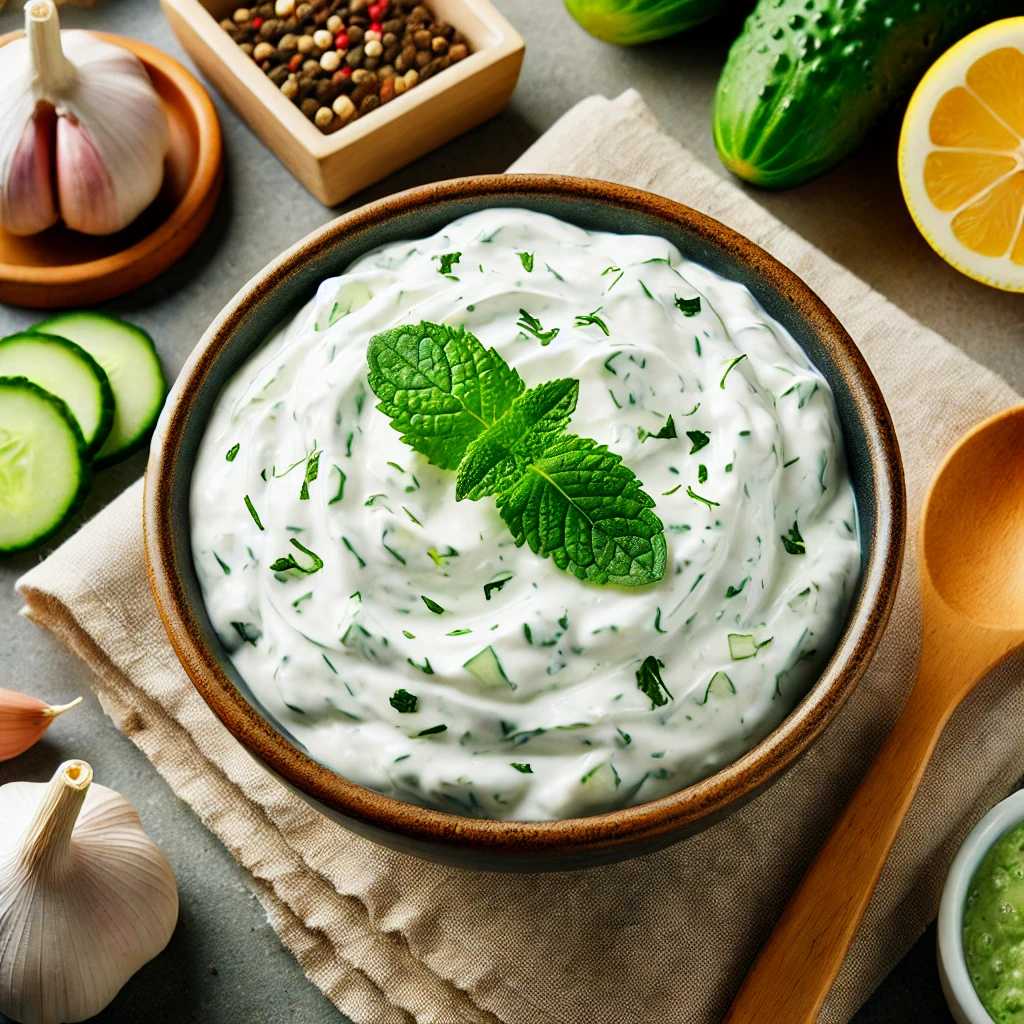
[(305, 44), (263, 51), (373, 48), (335, 24), (284, 8), (323, 39), (242, 15), (290, 88), (323, 117), (344, 108), (331, 61)]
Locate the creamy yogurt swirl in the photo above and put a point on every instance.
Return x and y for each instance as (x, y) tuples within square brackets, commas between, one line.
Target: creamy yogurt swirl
[(548, 720)]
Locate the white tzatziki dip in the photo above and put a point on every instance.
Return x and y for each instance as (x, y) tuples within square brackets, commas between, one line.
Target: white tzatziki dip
[(406, 640)]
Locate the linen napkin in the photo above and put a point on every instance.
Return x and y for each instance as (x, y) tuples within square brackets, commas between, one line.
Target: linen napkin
[(664, 938)]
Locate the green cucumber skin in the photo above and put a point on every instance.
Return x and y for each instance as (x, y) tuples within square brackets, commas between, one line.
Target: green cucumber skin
[(807, 79), (141, 440), (85, 467), (631, 22), (107, 408)]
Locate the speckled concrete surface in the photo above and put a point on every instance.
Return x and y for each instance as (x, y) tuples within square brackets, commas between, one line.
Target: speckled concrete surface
[(225, 963)]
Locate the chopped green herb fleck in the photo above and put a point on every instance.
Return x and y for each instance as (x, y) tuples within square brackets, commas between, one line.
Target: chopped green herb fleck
[(646, 290), (657, 622), (494, 585), (252, 511), (672, 491), (341, 487), (403, 701), (299, 600), (626, 738), (411, 636), (247, 631), (608, 362), (411, 516), (312, 471), (289, 562), (224, 565), (459, 632), (347, 543), (702, 473), (666, 433), (432, 605), (738, 359), (524, 768), (592, 320), (733, 591), (329, 665), (696, 497), (793, 542), (432, 731), (232, 452), (446, 261), (649, 681), (526, 258), (688, 307), (786, 465), (528, 633), (424, 668), (700, 439), (553, 271), (531, 325)]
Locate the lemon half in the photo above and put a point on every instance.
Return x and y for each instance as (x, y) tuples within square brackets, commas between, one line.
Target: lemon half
[(961, 156)]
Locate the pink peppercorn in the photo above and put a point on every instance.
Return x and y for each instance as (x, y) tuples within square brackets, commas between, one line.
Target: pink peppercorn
[(375, 26), (341, 41), (345, 72), (296, 62), (375, 11), (256, 22)]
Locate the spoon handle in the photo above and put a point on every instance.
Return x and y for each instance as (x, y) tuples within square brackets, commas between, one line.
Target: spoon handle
[(797, 965)]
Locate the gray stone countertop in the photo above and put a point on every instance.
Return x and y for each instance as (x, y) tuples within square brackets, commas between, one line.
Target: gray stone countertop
[(225, 963)]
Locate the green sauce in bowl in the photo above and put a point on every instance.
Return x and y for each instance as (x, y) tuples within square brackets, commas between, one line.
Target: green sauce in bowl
[(993, 929)]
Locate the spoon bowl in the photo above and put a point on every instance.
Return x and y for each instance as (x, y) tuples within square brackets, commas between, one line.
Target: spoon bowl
[(972, 533)]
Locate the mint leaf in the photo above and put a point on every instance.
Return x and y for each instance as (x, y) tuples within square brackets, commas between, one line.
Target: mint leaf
[(688, 307), (667, 432), (440, 387), (650, 683), (495, 459), (578, 504), (526, 258)]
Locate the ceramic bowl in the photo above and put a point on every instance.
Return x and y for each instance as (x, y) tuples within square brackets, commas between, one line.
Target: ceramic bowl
[(61, 268), (963, 1001), (291, 280)]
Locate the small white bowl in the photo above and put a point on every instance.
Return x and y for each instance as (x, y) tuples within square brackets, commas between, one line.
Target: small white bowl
[(963, 1001)]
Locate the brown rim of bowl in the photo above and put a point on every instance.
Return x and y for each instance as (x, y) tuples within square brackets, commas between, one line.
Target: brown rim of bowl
[(616, 828)]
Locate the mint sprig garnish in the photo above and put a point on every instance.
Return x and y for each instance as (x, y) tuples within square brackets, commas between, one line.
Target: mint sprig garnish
[(440, 387), (568, 497)]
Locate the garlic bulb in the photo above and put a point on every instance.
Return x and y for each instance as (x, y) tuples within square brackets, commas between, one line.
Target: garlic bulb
[(86, 897), (23, 720), (83, 135)]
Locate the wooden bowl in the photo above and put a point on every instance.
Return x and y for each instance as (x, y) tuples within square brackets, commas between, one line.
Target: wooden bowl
[(279, 290), (334, 167), (62, 268)]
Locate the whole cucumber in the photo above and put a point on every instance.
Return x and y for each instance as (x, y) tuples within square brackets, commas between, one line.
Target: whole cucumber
[(807, 79), (628, 22)]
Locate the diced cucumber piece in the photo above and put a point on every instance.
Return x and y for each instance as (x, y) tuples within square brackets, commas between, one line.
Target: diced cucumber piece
[(44, 474), (486, 667), (127, 355), (741, 646), (67, 371), (721, 685)]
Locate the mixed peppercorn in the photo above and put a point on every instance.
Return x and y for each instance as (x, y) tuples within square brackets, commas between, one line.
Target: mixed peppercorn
[(339, 59)]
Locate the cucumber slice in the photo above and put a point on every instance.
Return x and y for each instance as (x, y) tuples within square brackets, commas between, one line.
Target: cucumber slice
[(487, 668), (127, 355), (44, 475), (67, 371)]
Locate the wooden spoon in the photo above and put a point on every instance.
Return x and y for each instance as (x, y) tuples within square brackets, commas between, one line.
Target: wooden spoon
[(972, 589)]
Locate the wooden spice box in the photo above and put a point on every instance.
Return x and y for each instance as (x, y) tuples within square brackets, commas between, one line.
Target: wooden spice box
[(334, 167)]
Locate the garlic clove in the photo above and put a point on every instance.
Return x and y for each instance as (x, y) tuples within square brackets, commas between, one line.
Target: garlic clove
[(88, 202), (86, 897), (27, 201), (23, 720)]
